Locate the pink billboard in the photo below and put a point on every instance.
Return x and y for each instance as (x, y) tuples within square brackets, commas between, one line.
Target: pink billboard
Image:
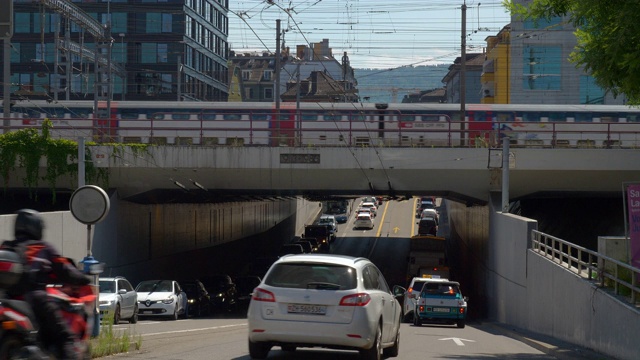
[(633, 213)]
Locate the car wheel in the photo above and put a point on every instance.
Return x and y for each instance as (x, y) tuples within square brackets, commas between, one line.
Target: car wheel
[(417, 321), (375, 352), (116, 315), (134, 317), (258, 350), (174, 316), (394, 350), (460, 324), (408, 317)]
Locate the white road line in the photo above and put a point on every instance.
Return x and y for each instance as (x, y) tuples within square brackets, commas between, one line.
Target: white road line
[(193, 330)]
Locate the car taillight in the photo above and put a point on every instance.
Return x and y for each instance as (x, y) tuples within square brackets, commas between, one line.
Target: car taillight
[(263, 295), (410, 291), (360, 299), (461, 310)]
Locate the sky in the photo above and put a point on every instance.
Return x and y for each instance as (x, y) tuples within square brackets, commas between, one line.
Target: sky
[(378, 34)]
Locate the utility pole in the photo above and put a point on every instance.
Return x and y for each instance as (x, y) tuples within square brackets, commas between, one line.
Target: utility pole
[(463, 68), (277, 72), (6, 31)]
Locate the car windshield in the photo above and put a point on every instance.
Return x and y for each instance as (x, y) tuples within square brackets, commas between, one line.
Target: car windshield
[(107, 287), (325, 222), (441, 289), (312, 276), (155, 286)]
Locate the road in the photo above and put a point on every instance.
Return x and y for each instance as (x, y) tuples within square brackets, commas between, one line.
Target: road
[(224, 336)]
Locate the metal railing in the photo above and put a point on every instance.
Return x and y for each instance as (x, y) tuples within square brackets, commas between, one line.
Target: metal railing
[(607, 272)]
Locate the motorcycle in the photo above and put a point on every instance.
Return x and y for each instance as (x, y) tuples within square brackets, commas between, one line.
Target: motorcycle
[(19, 335)]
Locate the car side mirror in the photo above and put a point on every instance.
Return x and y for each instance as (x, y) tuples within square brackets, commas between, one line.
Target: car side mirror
[(466, 298), (122, 291)]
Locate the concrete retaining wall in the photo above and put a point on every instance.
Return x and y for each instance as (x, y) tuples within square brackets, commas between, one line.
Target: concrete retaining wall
[(66, 233), (531, 292)]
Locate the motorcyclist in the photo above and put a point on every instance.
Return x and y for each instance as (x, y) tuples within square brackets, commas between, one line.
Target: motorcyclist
[(44, 266)]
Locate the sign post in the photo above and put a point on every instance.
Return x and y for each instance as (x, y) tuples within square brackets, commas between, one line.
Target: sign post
[(89, 204)]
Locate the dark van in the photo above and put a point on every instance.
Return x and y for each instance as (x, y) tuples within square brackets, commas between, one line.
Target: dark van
[(428, 226)]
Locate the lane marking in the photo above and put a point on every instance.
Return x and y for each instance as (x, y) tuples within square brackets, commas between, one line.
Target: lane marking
[(386, 206), (194, 330), (458, 341)]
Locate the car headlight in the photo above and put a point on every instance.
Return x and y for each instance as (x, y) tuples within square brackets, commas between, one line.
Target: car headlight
[(167, 301), (220, 295), (191, 301), (107, 302)]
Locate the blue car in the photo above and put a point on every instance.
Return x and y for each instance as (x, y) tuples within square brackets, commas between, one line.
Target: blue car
[(339, 213)]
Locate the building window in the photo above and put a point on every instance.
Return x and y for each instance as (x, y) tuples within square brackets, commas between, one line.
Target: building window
[(246, 74), (267, 75), (167, 23), (268, 93), (590, 92), (154, 22), (541, 67)]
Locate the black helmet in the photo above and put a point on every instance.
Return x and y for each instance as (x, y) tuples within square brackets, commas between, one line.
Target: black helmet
[(29, 224)]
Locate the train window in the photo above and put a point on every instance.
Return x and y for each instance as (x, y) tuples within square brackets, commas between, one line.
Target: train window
[(180, 116), (607, 117), (361, 116), (531, 116), (208, 116), (431, 117), (309, 116), (156, 116), (129, 114), (407, 117), (332, 117), (505, 117), (79, 113), (583, 117), (27, 112), (479, 116), (232, 115), (633, 118), (558, 116), (260, 116), (54, 112)]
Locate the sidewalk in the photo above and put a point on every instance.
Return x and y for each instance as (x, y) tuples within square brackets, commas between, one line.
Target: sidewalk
[(559, 349)]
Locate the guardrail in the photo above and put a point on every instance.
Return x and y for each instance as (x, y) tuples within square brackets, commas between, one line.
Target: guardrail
[(607, 272)]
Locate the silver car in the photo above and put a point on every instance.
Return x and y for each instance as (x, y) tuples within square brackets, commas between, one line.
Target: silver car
[(321, 300), (118, 298), (162, 298)]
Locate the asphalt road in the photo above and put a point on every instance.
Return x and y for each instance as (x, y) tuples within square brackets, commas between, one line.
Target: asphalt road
[(224, 336)]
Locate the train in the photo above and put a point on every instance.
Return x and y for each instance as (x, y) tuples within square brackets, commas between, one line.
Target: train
[(334, 124)]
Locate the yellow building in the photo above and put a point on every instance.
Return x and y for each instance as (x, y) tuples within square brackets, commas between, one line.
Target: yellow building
[(496, 68)]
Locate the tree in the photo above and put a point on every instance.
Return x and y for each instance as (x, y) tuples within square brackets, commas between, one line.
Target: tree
[(608, 38)]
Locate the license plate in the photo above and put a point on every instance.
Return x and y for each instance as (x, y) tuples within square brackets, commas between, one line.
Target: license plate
[(443, 310), (306, 309)]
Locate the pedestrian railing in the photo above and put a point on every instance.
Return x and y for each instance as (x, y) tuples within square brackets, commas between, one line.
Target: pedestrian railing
[(620, 277)]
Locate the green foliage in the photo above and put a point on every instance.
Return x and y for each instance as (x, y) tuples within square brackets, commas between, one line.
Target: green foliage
[(108, 342), (26, 147), (608, 38)]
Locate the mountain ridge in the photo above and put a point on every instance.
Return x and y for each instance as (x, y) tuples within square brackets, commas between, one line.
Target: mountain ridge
[(383, 85)]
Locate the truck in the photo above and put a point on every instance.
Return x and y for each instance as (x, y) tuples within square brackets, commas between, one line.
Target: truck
[(427, 256), (321, 233)]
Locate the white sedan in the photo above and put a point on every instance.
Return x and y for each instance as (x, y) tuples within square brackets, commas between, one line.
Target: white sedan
[(161, 298)]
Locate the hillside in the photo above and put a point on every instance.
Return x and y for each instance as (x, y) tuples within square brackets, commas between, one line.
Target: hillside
[(378, 84)]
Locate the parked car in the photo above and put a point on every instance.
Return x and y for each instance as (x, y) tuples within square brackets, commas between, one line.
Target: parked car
[(313, 300), (117, 297), (245, 286), (363, 220), (198, 299), (161, 298), (223, 292)]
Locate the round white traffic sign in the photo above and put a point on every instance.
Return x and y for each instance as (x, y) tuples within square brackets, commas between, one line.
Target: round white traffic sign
[(89, 204)]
